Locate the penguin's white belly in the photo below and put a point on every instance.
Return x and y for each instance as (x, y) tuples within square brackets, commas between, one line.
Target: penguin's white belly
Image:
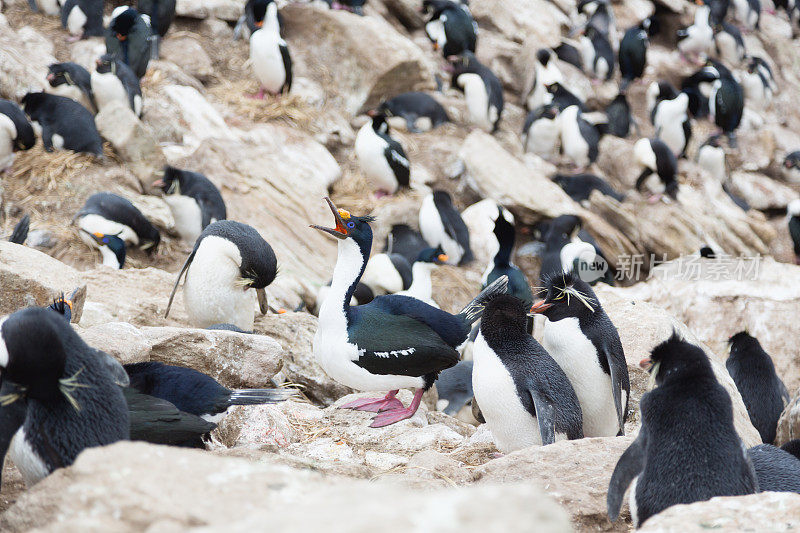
[(50, 7), (267, 61), (577, 357), (574, 145), (75, 21), (188, 216), (672, 135), (381, 275), (108, 88), (477, 99), (512, 426), (432, 230), (543, 138), (436, 33), (632, 502), (370, 150), (29, 464), (98, 224), (754, 90), (137, 105), (728, 48), (213, 294), (8, 132), (538, 96)]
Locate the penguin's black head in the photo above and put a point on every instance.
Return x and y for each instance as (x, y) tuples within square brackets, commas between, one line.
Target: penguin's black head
[(26, 137), (503, 313), (503, 229), (707, 252), (349, 227), (113, 242), (554, 87), (123, 23), (379, 123), (666, 91), (543, 56), (562, 229), (260, 11), (32, 354), (106, 63), (57, 74), (676, 357), (462, 63), (432, 255), (31, 102), (548, 111), (792, 160), (742, 344), (172, 181), (566, 296)]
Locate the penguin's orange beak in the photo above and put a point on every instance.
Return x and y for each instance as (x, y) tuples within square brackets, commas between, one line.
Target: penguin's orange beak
[(121, 37), (540, 307), (646, 363), (339, 215)]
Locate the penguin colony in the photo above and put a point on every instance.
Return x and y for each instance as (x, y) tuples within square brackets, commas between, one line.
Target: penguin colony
[(380, 328)]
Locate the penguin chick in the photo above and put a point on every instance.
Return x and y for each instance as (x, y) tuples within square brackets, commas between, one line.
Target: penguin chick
[(382, 159), (114, 81), (228, 259), (524, 395), (483, 91), (581, 338), (194, 201), (16, 133), (269, 53), (441, 225), (763, 392), (73, 81), (65, 123), (687, 449)]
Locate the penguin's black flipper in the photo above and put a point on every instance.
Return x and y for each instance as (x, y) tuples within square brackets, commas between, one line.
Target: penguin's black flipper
[(12, 416), (20, 233), (159, 422), (617, 382), (178, 281), (545, 415), (630, 465)]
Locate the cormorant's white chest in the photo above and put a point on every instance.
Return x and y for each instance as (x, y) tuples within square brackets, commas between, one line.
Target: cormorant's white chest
[(577, 357), (371, 152), (512, 426), (187, 214), (25, 458), (108, 88)]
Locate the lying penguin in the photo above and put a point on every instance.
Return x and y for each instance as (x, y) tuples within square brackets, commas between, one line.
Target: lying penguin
[(65, 124), (195, 202)]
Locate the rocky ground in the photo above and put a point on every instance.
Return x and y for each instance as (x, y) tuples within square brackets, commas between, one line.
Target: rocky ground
[(305, 463)]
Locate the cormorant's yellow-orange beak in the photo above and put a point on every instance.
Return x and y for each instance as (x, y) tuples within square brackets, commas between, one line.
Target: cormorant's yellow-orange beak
[(339, 215), (443, 258), (540, 307)]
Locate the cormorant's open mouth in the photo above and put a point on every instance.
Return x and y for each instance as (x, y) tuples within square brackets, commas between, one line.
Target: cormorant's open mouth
[(340, 231), (540, 307)]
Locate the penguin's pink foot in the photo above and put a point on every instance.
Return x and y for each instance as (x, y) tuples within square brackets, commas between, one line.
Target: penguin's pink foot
[(381, 194), (337, 5), (74, 38), (259, 95), (771, 12), (387, 418), (375, 405)]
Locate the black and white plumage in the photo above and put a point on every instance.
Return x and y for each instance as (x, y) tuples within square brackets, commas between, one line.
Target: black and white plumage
[(763, 392), (420, 111), (748, 12), (421, 287), (382, 159), (441, 225), (791, 166), (599, 16), (597, 54), (502, 265), (269, 53), (729, 44), (404, 240), (482, 89), (726, 106), (450, 27), (718, 10), (711, 157), (541, 133), (562, 98), (580, 138), (454, 388), (581, 338), (546, 72), (687, 449), (194, 201), (65, 124), (524, 395), (109, 214), (49, 7), (777, 470), (633, 53), (579, 187), (162, 14), (16, 133), (698, 86), (73, 81), (114, 81), (391, 343), (618, 114), (793, 215), (669, 113), (557, 234), (228, 259), (246, 24), (83, 18), (194, 392), (59, 396), (388, 273), (128, 37), (657, 159), (758, 82), (698, 39)]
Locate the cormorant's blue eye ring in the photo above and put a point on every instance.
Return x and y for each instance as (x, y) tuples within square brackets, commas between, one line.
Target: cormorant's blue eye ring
[(351, 225)]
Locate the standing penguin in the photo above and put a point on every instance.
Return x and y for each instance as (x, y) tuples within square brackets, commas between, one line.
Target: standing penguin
[(559, 233), (73, 81), (562, 98), (382, 158), (162, 14), (698, 39), (748, 12), (598, 56), (633, 53), (502, 265), (482, 90), (269, 53), (16, 133), (758, 82), (195, 202), (793, 214), (584, 342), (128, 37), (669, 113), (657, 159), (82, 18), (65, 123), (579, 138), (112, 215), (420, 111), (450, 27), (711, 156), (59, 397), (763, 392), (726, 106), (441, 225), (228, 259), (114, 81), (687, 449), (619, 116), (524, 395), (420, 287), (405, 241), (541, 133), (546, 72), (728, 43)]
